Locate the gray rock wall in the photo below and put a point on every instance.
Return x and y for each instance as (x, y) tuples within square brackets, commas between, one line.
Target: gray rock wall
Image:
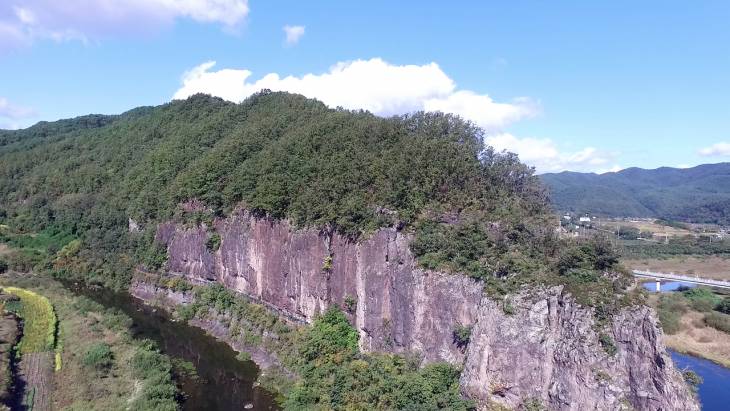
[(547, 351)]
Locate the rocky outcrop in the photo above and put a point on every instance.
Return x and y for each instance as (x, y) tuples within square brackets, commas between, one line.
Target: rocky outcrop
[(547, 351), (302, 272)]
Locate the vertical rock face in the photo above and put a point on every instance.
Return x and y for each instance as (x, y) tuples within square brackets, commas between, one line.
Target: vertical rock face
[(547, 351)]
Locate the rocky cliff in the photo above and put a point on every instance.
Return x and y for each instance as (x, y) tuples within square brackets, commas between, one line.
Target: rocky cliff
[(546, 351)]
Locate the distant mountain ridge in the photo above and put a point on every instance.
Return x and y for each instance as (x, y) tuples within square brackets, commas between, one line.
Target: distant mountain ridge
[(697, 194)]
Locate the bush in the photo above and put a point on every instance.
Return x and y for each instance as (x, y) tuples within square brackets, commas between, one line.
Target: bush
[(186, 312), (692, 379), (3, 266), (213, 243), (99, 357), (724, 306), (718, 321), (669, 321), (350, 304), (607, 344), (159, 392), (462, 335), (702, 298)]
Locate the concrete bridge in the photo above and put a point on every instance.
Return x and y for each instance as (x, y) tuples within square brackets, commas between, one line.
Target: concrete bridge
[(659, 277)]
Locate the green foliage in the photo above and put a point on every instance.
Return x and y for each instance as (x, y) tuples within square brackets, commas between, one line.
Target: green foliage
[(718, 321), (215, 296), (532, 404), (186, 312), (462, 335), (155, 370), (677, 246), (335, 376), (350, 304), (178, 284), (607, 343), (628, 233), (724, 306), (692, 379), (699, 194), (670, 309), (213, 242), (327, 264), (277, 154), (702, 298), (99, 356)]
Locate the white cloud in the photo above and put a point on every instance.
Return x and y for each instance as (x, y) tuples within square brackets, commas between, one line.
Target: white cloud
[(90, 19), (293, 34), (545, 156), (718, 149), (11, 111), (374, 85)]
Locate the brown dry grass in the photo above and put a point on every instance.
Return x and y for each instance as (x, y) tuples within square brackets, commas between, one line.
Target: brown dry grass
[(697, 339), (707, 267), (4, 249)]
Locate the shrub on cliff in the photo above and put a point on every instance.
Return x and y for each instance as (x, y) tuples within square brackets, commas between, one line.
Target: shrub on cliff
[(336, 376)]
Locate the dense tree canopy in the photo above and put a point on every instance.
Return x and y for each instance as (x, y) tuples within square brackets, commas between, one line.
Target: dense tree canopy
[(471, 209)]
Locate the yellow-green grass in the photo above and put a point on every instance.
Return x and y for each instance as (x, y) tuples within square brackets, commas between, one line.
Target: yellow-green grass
[(39, 321)]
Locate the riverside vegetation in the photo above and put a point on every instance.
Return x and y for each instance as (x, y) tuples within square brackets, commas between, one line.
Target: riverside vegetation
[(696, 321), (109, 369), (331, 372), (81, 198)]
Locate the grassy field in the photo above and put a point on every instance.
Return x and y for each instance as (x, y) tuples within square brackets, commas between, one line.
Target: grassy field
[(702, 266), (647, 226), (113, 381), (39, 321)]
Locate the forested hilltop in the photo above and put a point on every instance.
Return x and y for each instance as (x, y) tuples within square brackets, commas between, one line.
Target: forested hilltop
[(72, 186), (698, 194)]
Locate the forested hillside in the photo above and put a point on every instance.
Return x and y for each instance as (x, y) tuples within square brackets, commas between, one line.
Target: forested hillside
[(72, 186), (697, 194)]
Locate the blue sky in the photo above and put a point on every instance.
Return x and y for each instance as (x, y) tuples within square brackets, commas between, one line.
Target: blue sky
[(587, 86)]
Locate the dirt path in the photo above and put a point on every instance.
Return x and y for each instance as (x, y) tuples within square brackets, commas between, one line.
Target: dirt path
[(36, 370)]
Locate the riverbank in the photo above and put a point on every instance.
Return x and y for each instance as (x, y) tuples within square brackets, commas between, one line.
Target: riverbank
[(699, 340), (712, 391), (690, 335), (100, 365), (254, 333)]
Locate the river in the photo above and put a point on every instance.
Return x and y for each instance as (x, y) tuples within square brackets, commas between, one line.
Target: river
[(224, 383), (714, 391)]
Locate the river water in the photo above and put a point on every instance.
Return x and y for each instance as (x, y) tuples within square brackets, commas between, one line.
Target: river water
[(224, 383), (715, 389), (667, 286)]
